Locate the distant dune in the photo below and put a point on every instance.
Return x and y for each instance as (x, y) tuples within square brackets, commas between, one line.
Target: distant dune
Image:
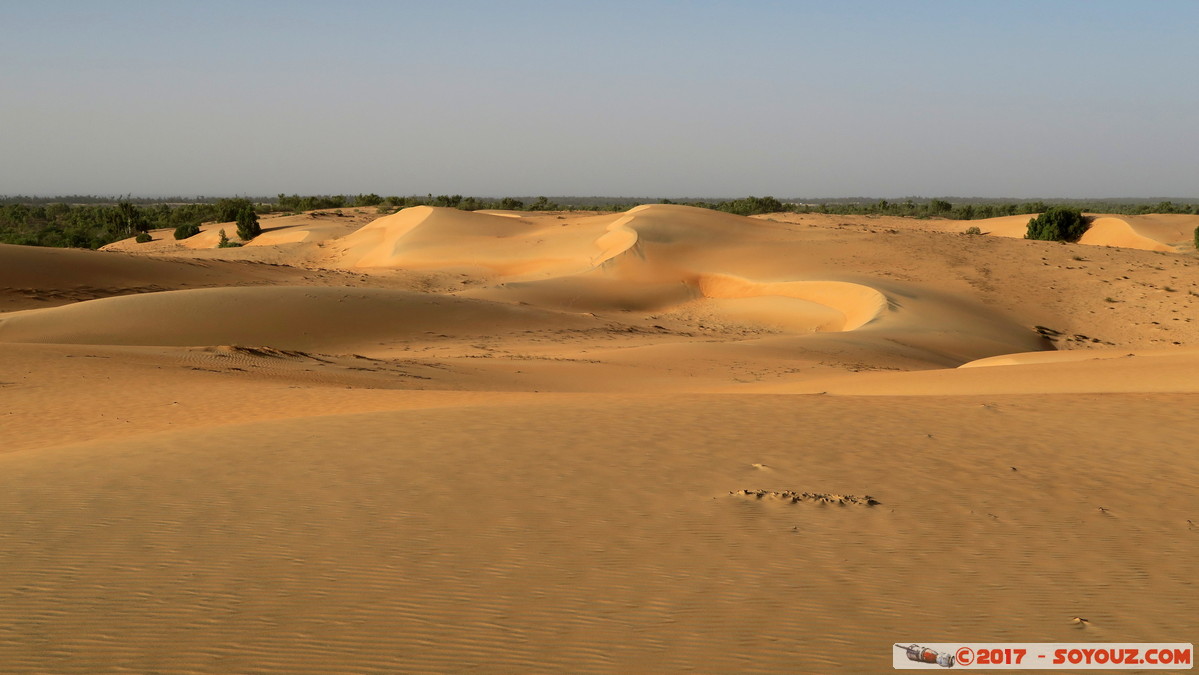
[(441, 238), (1159, 232), (665, 440)]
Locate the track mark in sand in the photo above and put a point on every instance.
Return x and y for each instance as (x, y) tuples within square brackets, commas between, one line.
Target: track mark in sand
[(794, 497), (288, 364), (1050, 334), (271, 352)]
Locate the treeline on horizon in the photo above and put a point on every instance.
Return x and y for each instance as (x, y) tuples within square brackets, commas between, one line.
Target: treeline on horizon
[(88, 221)]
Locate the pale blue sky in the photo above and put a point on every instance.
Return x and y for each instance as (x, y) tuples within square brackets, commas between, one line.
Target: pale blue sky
[(654, 98)]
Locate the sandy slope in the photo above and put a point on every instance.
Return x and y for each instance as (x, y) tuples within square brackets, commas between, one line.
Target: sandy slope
[(599, 535), (45, 277), (289, 317), (510, 442)]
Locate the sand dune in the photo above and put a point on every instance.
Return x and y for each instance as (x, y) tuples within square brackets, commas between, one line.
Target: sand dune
[(282, 317), (505, 246), (1109, 231), (666, 440), (35, 277), (653, 258), (1037, 373), (1158, 232)]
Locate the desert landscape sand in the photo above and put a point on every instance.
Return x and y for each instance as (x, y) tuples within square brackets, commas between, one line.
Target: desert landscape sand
[(663, 440)]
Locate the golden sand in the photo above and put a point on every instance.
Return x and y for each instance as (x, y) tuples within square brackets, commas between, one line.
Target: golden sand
[(666, 440)]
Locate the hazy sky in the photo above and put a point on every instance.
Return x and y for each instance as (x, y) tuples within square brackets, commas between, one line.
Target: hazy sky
[(651, 98)]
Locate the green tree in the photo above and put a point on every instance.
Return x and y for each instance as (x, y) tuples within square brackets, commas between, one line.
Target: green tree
[(1058, 223), (247, 224), (227, 210), (187, 230), (225, 243), (751, 205), (448, 201), (131, 219)]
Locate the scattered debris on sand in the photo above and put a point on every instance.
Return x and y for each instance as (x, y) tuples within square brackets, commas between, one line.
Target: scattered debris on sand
[(815, 497)]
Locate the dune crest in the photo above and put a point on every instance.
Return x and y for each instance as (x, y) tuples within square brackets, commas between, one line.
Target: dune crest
[(505, 246), (1114, 231)]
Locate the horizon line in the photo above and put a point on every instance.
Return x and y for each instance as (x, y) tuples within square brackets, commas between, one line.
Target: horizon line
[(793, 200)]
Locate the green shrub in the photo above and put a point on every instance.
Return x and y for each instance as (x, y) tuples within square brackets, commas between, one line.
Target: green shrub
[(247, 224), (225, 243), (1058, 223), (187, 230), (973, 229), (143, 237)]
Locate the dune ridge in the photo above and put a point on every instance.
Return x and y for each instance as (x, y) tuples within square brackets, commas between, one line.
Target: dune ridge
[(505, 246), (1109, 231)]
